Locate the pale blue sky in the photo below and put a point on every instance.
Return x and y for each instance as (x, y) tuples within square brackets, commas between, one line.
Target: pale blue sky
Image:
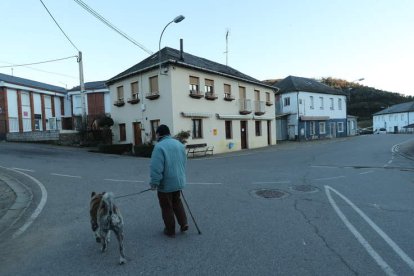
[(348, 39)]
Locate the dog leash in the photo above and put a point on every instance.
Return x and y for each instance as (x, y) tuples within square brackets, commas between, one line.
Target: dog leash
[(134, 193)]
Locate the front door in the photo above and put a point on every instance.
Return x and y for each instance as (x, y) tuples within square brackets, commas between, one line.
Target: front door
[(333, 130), (243, 134), (269, 132), (137, 133)]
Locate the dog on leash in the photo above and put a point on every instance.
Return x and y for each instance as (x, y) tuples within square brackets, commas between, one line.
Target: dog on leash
[(105, 216)]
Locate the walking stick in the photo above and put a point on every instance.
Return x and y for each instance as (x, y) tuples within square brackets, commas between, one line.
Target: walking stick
[(188, 208)]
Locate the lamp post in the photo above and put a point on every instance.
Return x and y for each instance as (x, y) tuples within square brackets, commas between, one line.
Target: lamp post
[(175, 20)]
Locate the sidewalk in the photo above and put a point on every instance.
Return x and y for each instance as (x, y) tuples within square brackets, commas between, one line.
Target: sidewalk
[(7, 198)]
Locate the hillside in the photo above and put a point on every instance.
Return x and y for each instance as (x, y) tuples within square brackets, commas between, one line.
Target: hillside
[(365, 101)]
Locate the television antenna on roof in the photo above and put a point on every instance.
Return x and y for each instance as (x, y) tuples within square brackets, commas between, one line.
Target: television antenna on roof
[(227, 46)]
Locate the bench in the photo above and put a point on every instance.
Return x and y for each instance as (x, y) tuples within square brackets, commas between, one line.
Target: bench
[(199, 148)]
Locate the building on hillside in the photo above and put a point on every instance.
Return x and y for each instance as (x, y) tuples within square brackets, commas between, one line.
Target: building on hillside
[(398, 118), (307, 109), (219, 105), (29, 108), (97, 104)]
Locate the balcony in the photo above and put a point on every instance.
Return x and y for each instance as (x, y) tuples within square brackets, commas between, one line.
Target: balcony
[(119, 102), (228, 97), (152, 95), (245, 106), (259, 108), (210, 96), (134, 99), (196, 94), (269, 103)]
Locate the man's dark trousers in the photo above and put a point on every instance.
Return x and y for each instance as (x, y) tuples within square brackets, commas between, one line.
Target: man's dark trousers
[(171, 205)]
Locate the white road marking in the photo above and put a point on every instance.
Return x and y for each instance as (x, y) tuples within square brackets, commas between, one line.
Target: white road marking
[(323, 166), (366, 172), (38, 209), (201, 183), (329, 178), (380, 261), (273, 182), (66, 175), (20, 169), (121, 180), (381, 233)]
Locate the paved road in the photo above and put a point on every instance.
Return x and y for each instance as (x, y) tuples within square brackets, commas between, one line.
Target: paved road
[(345, 209)]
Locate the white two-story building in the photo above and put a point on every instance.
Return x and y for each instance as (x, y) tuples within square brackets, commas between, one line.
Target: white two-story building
[(395, 119), (219, 105), (307, 109)]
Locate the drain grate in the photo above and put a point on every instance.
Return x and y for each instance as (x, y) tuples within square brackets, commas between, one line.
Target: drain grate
[(270, 193), (305, 188)]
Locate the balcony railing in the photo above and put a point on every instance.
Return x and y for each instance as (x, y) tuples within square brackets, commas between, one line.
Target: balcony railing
[(119, 102), (134, 99), (245, 106), (269, 103), (196, 94), (152, 95), (228, 97), (210, 96), (259, 108)]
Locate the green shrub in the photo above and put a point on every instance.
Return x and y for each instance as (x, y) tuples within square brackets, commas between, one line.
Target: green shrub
[(115, 148), (144, 150)]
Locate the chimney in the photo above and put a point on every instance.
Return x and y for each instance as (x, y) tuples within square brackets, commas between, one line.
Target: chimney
[(181, 49)]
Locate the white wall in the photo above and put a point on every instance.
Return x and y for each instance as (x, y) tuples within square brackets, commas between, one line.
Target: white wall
[(335, 113), (389, 121)]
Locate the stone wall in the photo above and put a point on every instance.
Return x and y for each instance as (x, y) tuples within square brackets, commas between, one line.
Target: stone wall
[(33, 136)]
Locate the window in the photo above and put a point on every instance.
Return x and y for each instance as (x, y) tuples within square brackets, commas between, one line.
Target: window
[(120, 93), (340, 104), (331, 100), (229, 131), (267, 97), (122, 132), (242, 92), (194, 85), (321, 102), (322, 129), (312, 128), (38, 121), (154, 85), (286, 101), (209, 86), (197, 129), (340, 127), (134, 90), (311, 102), (258, 127), (256, 95), (154, 125)]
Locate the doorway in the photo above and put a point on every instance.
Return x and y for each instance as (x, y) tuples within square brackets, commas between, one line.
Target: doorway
[(137, 133), (269, 133), (243, 134)]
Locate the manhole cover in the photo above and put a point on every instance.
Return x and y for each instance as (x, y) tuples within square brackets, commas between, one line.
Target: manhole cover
[(270, 193), (305, 188)]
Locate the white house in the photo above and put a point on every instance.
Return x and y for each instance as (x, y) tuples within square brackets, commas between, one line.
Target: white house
[(29, 108), (97, 103), (219, 105), (307, 109), (395, 119)]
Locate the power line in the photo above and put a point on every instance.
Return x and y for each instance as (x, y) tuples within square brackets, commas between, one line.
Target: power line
[(59, 26), (34, 63), (40, 70), (110, 25)]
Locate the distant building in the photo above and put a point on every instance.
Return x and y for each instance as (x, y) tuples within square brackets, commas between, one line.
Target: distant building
[(29, 109), (398, 118), (352, 125), (307, 109)]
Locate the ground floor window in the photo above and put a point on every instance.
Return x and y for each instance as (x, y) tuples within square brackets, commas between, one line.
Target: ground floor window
[(340, 127), (229, 130), (122, 132), (13, 124), (322, 128), (154, 125), (258, 127), (197, 128)]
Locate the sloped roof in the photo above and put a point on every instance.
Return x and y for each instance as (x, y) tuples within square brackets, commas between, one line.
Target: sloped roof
[(31, 83), (292, 84), (94, 85), (170, 55), (398, 108)]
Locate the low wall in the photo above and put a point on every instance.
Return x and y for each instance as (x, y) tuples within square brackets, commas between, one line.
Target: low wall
[(33, 136)]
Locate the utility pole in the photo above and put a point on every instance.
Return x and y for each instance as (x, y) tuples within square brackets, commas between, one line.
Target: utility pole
[(82, 91)]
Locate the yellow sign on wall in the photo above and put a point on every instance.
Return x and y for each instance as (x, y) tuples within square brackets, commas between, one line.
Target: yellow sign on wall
[(215, 131)]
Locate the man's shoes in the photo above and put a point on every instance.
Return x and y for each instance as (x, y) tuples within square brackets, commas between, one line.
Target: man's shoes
[(184, 228), (169, 234)]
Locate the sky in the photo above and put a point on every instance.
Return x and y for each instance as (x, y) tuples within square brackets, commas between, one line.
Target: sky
[(268, 39)]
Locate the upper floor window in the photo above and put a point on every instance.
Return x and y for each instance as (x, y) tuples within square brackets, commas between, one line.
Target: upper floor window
[(321, 102), (286, 101), (340, 104), (134, 90), (209, 86), (242, 92), (311, 102), (194, 84), (267, 97), (256, 95), (331, 101), (120, 93), (154, 85)]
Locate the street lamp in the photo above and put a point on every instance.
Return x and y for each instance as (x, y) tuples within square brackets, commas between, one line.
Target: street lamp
[(175, 20)]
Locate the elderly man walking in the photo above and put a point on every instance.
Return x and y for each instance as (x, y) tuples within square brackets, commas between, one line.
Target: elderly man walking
[(168, 165)]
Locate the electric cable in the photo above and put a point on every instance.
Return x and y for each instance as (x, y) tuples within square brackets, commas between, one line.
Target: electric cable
[(34, 63)]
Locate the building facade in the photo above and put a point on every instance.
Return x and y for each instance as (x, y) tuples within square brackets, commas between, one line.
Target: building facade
[(217, 104), (398, 118), (28, 106), (307, 109)]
